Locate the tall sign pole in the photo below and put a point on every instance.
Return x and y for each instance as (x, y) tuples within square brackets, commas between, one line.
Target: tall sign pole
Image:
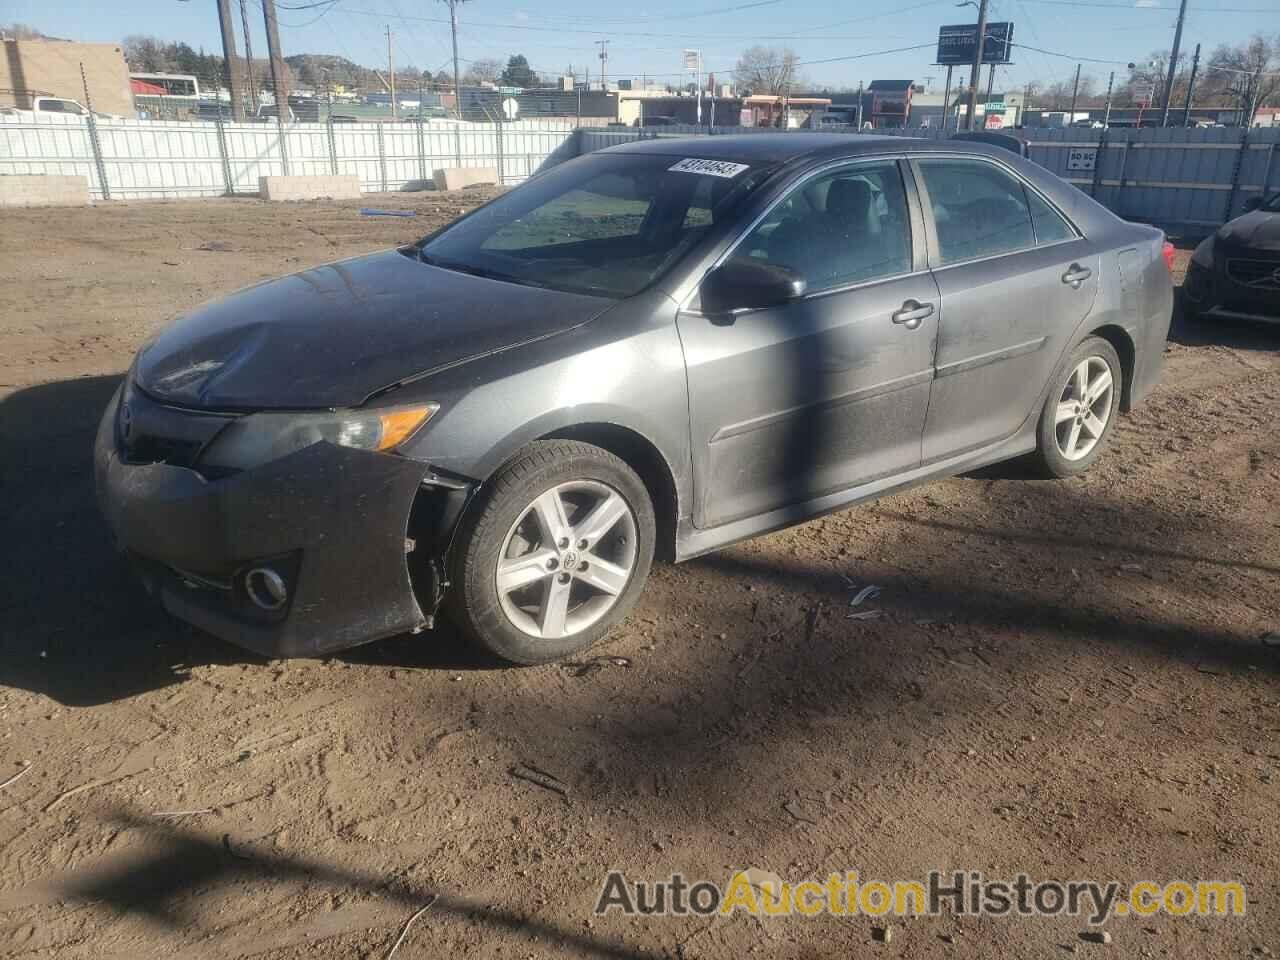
[(230, 62), (977, 64), (946, 101), (1173, 64), (279, 79)]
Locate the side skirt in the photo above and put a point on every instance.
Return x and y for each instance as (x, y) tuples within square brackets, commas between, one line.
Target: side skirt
[(692, 542)]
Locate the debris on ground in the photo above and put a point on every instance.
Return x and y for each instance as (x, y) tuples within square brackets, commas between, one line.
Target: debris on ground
[(26, 768), (882, 934), (584, 668), (798, 814), (371, 212), (866, 593), (541, 778), (1096, 936), (405, 931)]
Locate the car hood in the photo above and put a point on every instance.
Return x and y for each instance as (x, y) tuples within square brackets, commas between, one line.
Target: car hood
[(334, 335), (1258, 230)]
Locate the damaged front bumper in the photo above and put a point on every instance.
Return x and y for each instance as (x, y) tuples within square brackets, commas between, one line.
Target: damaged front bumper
[(1225, 291), (330, 522)]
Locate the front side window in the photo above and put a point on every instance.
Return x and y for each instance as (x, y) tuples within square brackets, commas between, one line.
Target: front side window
[(979, 210), (608, 225), (846, 226)]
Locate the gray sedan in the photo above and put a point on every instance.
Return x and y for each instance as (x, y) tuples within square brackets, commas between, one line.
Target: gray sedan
[(659, 348)]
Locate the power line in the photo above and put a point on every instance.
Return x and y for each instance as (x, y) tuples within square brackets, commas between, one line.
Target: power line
[(1101, 4)]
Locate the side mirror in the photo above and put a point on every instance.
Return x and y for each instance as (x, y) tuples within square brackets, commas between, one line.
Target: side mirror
[(1252, 204), (746, 284)]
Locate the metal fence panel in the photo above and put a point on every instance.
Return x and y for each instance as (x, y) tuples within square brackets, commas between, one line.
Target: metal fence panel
[(151, 159), (1181, 179)]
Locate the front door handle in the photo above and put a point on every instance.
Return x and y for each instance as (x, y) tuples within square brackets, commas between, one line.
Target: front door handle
[(1076, 275), (912, 312)]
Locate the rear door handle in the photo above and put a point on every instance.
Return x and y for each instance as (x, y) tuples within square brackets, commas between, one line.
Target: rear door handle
[(1076, 275), (912, 312)]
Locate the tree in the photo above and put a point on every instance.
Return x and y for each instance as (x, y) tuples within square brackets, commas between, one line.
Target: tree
[(518, 73), (482, 71), (1057, 96), (443, 80), (1247, 76), (767, 70), (20, 31), (146, 54)]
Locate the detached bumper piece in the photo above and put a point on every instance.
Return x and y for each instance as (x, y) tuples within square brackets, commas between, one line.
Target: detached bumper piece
[(300, 557)]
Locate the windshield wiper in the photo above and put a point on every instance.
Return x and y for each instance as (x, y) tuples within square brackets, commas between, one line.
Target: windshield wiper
[(474, 271)]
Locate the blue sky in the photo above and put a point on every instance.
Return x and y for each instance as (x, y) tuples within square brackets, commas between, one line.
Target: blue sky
[(647, 39)]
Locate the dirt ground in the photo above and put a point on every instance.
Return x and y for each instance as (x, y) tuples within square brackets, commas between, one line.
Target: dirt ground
[(1068, 679)]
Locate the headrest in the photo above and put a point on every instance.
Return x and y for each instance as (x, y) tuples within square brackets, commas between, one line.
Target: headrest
[(849, 199)]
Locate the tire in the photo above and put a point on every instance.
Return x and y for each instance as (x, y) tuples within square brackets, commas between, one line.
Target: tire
[(1192, 312), (573, 594), (1067, 446)]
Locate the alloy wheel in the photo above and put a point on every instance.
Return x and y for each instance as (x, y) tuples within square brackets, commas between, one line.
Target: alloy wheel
[(566, 559), (1084, 408)]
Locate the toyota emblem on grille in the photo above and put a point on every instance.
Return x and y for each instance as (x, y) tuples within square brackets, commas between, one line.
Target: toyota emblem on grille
[(126, 421)]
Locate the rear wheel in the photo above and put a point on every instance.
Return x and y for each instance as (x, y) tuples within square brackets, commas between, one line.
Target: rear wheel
[(555, 553), (1079, 412)]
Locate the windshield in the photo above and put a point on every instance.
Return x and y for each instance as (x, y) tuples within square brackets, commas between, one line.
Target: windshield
[(1272, 205), (607, 225)]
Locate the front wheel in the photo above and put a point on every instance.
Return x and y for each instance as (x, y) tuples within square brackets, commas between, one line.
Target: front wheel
[(1079, 412), (555, 553)]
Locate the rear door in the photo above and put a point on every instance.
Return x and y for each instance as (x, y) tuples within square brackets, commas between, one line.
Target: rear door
[(1015, 279), (792, 402)]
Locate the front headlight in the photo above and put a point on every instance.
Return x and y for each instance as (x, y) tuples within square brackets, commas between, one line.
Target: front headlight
[(1203, 255), (262, 437)]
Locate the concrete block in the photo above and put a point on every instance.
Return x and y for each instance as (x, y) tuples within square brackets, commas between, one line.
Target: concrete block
[(343, 187), (44, 190), (455, 178)]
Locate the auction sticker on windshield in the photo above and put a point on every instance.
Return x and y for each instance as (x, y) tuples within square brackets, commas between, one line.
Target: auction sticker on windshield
[(712, 168)]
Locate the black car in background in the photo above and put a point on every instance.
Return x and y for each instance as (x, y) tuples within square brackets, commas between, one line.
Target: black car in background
[(1235, 273)]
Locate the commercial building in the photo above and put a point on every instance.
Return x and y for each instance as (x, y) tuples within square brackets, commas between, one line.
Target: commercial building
[(51, 68)]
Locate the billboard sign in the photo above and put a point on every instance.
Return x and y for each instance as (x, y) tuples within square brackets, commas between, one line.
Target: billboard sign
[(958, 43), (693, 60)]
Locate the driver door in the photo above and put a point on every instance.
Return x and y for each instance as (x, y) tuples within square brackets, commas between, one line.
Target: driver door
[(830, 390)]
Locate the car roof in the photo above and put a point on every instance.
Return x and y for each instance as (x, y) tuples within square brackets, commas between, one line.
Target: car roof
[(783, 146)]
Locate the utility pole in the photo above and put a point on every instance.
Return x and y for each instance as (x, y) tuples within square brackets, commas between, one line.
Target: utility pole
[(391, 75), (457, 81), (1075, 94), (230, 66), (859, 104), (977, 63), (946, 101), (1173, 64), (279, 81), (1251, 105), (248, 57), (1191, 86), (604, 63), (1111, 82)]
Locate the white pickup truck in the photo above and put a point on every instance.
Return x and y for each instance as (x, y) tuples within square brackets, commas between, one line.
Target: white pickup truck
[(51, 108)]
